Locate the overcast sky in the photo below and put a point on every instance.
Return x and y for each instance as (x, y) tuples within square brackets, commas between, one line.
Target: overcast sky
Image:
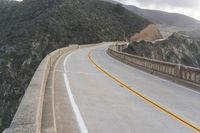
[(187, 7)]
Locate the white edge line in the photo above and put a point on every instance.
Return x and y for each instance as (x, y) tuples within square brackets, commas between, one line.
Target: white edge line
[(79, 118)]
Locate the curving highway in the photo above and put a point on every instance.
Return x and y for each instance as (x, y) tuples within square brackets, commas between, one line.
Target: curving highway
[(97, 94)]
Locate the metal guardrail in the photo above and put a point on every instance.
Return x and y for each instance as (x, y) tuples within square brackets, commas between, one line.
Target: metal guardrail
[(179, 73)]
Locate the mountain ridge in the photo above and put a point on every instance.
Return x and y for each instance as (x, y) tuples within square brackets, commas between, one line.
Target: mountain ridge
[(162, 17)]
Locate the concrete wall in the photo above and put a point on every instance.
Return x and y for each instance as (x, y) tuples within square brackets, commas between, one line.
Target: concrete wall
[(185, 75), (29, 114)]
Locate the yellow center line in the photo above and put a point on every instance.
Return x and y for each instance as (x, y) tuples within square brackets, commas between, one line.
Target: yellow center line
[(147, 99)]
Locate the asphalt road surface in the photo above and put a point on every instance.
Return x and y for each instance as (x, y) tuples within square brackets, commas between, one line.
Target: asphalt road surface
[(101, 104)]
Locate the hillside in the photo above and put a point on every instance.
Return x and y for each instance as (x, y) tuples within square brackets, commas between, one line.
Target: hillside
[(182, 47), (31, 29), (160, 17), (164, 18)]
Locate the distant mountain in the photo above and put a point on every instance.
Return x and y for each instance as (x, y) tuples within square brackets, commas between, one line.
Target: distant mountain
[(31, 29), (160, 17)]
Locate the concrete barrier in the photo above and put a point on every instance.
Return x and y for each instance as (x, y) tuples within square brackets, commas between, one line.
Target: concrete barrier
[(182, 74), (88, 45), (29, 114)]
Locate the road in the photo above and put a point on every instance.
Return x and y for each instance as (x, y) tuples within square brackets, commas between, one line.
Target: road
[(94, 102)]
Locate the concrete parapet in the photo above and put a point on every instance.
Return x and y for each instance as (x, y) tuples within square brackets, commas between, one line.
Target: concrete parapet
[(88, 45), (182, 74), (29, 114)]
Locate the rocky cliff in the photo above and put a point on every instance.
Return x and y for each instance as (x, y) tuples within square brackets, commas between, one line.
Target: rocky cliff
[(150, 33), (31, 29), (178, 48)]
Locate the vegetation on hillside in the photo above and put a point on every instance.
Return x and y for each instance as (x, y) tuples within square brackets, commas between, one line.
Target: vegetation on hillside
[(31, 29)]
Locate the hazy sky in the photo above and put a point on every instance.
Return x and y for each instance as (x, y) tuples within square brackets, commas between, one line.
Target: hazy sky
[(187, 7)]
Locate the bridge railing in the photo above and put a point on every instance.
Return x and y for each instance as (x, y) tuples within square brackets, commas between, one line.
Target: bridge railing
[(179, 73), (29, 114), (28, 117)]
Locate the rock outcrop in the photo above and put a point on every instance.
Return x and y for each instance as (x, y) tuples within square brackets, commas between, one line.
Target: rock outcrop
[(31, 29), (150, 33), (178, 48)]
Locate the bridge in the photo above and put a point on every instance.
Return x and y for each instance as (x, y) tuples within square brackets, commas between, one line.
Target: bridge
[(99, 89)]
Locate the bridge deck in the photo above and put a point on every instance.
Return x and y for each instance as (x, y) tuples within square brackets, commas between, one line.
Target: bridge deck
[(81, 97)]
